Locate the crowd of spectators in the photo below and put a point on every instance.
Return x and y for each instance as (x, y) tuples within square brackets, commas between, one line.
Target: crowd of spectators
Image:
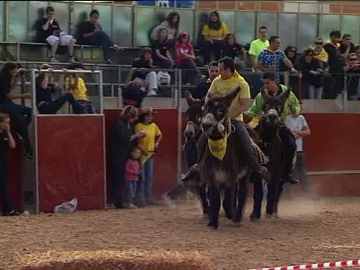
[(318, 72)]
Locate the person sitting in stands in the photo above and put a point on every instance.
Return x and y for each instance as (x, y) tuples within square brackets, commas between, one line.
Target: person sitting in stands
[(199, 93), (171, 24), (142, 70), (213, 34), (77, 87), (161, 48), (234, 50), (185, 58), (49, 31), (44, 97), (91, 33)]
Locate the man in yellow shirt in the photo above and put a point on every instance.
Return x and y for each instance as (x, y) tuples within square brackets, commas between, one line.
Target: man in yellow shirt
[(257, 45), (228, 80), (319, 51)]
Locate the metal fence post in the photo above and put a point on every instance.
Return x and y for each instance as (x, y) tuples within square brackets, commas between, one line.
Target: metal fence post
[(179, 135)]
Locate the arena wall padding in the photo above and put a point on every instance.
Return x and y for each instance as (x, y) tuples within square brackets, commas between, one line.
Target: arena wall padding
[(165, 158), (334, 142), (71, 161)]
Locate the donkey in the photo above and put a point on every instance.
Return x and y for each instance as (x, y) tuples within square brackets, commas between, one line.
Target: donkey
[(220, 164), (268, 131)]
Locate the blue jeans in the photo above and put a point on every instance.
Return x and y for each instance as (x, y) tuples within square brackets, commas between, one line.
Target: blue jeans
[(144, 187), (132, 187)]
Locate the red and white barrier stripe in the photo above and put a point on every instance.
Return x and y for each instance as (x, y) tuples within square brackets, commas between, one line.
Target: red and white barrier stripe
[(310, 266)]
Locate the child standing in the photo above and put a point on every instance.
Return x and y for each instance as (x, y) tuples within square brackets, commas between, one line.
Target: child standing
[(148, 146), (132, 175), (6, 141), (300, 128)]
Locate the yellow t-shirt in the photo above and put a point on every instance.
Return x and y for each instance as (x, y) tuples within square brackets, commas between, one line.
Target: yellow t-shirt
[(147, 144), (79, 91), (215, 34), (220, 87), (322, 56)]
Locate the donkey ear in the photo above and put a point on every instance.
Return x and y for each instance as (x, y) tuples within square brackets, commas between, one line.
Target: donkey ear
[(229, 97), (264, 95), (284, 96)]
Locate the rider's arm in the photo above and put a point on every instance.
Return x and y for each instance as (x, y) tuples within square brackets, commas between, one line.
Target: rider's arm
[(242, 100), (256, 107), (293, 103)]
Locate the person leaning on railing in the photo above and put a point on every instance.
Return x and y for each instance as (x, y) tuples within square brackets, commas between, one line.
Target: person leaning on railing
[(20, 115), (352, 69)]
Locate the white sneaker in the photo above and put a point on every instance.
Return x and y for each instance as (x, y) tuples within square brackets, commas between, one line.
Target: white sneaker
[(152, 93), (132, 206), (339, 102), (53, 60)]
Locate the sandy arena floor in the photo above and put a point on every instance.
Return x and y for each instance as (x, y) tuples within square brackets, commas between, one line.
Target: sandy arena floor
[(307, 231)]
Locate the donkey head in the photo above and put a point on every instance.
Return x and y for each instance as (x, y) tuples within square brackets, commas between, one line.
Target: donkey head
[(276, 102), (193, 116), (215, 120)]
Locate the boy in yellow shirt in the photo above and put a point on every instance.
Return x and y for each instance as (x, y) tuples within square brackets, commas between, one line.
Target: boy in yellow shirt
[(77, 87), (148, 145)]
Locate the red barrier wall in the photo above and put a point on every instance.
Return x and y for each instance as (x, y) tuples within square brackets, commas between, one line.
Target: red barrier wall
[(71, 161), (15, 177), (334, 142), (166, 158)]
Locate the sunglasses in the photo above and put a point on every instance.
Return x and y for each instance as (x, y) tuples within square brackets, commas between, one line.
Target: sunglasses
[(353, 59), (318, 43)]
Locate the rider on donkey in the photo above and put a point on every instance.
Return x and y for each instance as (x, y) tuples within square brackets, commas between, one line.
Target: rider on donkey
[(228, 80), (290, 106)]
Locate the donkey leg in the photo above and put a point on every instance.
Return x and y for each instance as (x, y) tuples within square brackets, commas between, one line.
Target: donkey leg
[(241, 197), (258, 197), (214, 209), (270, 198), (203, 199), (228, 202), (278, 195)]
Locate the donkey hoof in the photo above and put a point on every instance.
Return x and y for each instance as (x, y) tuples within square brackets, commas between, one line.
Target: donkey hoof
[(213, 225), (254, 217), (237, 219)]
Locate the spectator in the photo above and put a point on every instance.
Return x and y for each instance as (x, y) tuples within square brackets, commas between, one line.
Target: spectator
[(44, 97), (352, 69), (142, 70), (311, 71), (6, 141), (185, 58), (20, 115), (49, 31), (77, 87), (271, 58), (291, 54), (171, 24), (336, 66), (297, 124), (319, 51), (213, 34), (132, 175), (357, 51), (91, 33), (148, 145), (234, 50), (199, 93), (161, 48), (258, 45), (122, 140), (346, 45)]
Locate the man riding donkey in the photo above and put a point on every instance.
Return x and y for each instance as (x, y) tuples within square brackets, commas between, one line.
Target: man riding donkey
[(290, 106), (228, 143)]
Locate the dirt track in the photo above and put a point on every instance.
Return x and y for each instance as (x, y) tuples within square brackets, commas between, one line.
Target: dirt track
[(308, 231)]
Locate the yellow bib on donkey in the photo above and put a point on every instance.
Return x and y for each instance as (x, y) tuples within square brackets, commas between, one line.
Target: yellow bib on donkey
[(218, 147)]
